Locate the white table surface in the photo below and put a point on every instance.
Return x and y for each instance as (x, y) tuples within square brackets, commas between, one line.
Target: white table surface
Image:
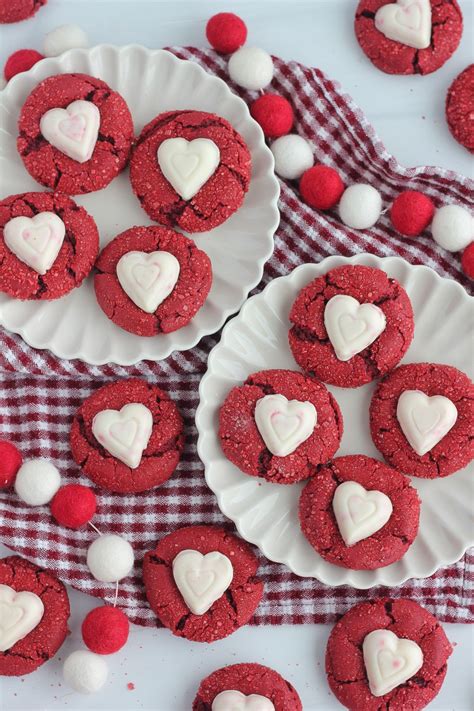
[(408, 113)]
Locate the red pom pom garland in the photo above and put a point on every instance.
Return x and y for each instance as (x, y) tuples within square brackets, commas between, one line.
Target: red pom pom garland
[(467, 261), (105, 630), (10, 462), (74, 505), (412, 212), (226, 32), (274, 113), (21, 61), (321, 187)]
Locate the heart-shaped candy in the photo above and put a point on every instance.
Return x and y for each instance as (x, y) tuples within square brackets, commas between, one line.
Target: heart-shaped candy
[(35, 240), (232, 700), (124, 434), (202, 579), (73, 130), (20, 613), (389, 661), (187, 165), (148, 278), (407, 22), (284, 424), (352, 326), (425, 420), (359, 513)]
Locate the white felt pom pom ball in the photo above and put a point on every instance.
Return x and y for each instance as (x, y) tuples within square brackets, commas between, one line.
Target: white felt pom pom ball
[(85, 671), (251, 68), (110, 558), (63, 38), (360, 206), (453, 227), (37, 481), (293, 156)]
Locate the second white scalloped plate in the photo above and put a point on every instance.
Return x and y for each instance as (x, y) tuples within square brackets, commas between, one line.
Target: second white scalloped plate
[(151, 82), (267, 514)]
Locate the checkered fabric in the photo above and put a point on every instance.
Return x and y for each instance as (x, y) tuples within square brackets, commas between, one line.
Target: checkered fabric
[(39, 393)]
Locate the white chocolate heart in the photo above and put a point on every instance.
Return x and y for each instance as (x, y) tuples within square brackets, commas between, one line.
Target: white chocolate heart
[(124, 434), (389, 661), (148, 278), (187, 165), (20, 613), (351, 326), (407, 22), (202, 579), (359, 513), (73, 130), (284, 424), (35, 240), (232, 700), (425, 420)]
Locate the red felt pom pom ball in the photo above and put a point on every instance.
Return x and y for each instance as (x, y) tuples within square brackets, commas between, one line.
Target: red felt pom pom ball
[(10, 462), (21, 61), (274, 114), (321, 187), (73, 505), (226, 32), (412, 212), (467, 261), (105, 630)]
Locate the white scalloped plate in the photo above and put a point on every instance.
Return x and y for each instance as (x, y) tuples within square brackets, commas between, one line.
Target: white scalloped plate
[(267, 514), (151, 82)]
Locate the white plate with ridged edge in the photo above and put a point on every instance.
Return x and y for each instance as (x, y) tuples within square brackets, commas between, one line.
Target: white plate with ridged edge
[(267, 514), (151, 81)]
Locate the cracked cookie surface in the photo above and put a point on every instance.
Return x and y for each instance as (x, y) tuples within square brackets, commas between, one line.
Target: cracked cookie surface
[(383, 547), (53, 168), (243, 444), (393, 57), (460, 108), (455, 450), (229, 612), (309, 341), (217, 199), (42, 643), (345, 664), (17, 10), (180, 307), (159, 459), (248, 679), (76, 256)]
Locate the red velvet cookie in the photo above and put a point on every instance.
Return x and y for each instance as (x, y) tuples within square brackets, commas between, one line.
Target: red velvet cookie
[(149, 306), (248, 679), (460, 108), (397, 53), (43, 614), (16, 10), (177, 573), (44, 228), (98, 132), (139, 448), (313, 426), (425, 421), (318, 329), (393, 532), (407, 620), (194, 186)]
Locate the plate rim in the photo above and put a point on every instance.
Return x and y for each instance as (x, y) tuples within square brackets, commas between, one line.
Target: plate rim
[(38, 72), (325, 264)]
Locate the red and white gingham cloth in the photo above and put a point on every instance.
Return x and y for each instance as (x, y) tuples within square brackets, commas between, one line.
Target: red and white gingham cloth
[(39, 393)]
